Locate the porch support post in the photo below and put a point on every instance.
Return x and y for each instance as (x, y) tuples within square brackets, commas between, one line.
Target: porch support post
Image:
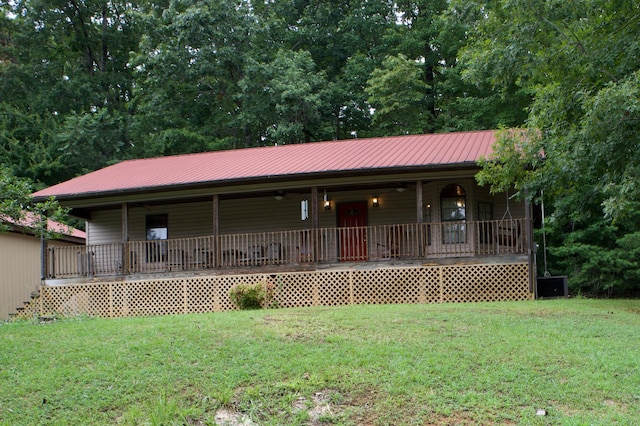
[(43, 251), (126, 260), (420, 214), (125, 222), (216, 230), (529, 240), (315, 222)]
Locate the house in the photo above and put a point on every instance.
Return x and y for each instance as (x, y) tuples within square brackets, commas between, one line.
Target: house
[(20, 266), (379, 220)]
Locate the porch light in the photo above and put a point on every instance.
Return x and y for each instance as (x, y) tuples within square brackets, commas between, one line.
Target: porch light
[(326, 203), (375, 202)]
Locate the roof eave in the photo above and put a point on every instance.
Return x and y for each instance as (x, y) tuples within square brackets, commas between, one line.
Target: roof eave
[(469, 165)]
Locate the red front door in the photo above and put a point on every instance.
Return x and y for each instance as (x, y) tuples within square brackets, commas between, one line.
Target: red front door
[(352, 221)]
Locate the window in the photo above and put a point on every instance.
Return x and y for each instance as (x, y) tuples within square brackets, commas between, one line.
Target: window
[(453, 207), (485, 214), (157, 231)]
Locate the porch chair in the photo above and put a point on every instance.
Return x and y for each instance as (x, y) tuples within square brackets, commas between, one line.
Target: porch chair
[(255, 255), (202, 258), (508, 233), (394, 240), (305, 253), (392, 243), (175, 259), (132, 266), (231, 257), (274, 253)]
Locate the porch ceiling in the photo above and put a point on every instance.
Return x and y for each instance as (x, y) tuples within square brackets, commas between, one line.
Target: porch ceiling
[(81, 207)]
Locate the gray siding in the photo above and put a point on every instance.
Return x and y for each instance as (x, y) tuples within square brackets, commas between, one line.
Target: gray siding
[(104, 227), (184, 220), (266, 214)]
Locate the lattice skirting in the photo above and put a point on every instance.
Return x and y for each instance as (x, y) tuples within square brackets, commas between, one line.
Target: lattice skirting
[(426, 284)]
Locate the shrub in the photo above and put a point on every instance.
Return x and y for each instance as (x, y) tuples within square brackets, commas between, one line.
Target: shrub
[(253, 296), (600, 260)]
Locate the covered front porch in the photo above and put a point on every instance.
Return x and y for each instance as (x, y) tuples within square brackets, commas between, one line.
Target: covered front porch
[(292, 250)]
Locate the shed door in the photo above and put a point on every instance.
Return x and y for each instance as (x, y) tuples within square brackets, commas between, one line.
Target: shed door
[(352, 221)]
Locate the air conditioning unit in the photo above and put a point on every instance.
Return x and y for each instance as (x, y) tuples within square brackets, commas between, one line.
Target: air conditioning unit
[(548, 287)]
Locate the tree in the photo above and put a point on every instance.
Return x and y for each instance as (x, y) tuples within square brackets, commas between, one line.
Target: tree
[(346, 41), (397, 93), (579, 60), (297, 95), (67, 65), (18, 208), (431, 34), (424, 38), (188, 68), (137, 78)]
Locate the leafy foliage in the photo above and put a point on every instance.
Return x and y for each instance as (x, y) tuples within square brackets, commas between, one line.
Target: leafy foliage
[(517, 154), (253, 296), (17, 207), (579, 61), (396, 91), (123, 79), (601, 259)]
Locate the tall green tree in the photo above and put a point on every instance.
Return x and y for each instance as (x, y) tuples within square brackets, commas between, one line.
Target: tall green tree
[(430, 34), (346, 41), (68, 66), (188, 70), (294, 95), (579, 60), (397, 93), (125, 79), (17, 207)]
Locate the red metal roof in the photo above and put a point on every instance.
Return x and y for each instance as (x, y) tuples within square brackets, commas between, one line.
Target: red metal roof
[(254, 163), (29, 221)]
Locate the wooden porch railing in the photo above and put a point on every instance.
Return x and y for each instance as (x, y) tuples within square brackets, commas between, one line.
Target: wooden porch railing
[(324, 245)]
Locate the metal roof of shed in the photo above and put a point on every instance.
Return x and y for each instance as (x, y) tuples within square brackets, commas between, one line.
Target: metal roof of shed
[(317, 158)]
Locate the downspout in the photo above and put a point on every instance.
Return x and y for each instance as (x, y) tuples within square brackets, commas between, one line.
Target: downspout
[(544, 237)]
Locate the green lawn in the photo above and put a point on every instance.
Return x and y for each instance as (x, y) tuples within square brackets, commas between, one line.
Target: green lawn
[(481, 363)]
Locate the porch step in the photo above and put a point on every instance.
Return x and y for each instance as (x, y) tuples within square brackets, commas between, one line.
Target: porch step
[(25, 311)]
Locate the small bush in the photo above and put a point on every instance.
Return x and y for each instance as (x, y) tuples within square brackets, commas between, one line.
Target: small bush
[(253, 296)]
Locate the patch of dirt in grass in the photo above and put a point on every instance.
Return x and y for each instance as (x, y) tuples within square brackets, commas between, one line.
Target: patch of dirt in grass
[(632, 309), (318, 407), (226, 417), (267, 319), (463, 418), (620, 407), (330, 406), (363, 408)]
